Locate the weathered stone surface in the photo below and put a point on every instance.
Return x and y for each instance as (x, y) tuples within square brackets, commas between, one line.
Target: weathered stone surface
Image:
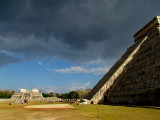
[(32, 96), (135, 77), (29, 95)]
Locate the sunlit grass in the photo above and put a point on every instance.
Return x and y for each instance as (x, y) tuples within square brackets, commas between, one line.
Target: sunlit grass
[(85, 112), (108, 112)]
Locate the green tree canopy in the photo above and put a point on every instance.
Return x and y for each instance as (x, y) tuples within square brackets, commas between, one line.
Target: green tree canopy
[(6, 93), (73, 95)]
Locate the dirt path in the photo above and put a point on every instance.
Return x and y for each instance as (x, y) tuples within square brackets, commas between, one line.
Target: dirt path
[(54, 106)]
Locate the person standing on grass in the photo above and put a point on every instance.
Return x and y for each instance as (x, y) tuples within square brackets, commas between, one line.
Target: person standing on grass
[(25, 101)]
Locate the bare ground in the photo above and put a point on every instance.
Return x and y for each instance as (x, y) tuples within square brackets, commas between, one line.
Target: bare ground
[(51, 106), (43, 112)]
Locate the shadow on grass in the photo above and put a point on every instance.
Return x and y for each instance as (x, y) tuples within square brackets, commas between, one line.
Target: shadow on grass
[(136, 106)]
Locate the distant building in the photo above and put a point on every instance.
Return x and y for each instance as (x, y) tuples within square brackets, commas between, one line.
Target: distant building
[(135, 77), (23, 90), (33, 95), (35, 90)]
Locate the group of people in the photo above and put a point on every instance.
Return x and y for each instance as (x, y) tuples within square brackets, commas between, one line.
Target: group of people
[(20, 102)]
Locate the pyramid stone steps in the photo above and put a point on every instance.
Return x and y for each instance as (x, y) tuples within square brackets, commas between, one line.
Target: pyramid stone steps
[(107, 80), (146, 40)]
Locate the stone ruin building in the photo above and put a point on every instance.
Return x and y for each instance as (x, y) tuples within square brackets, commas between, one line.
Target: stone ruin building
[(135, 77), (32, 95)]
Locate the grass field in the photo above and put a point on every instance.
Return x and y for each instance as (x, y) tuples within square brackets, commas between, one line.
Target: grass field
[(108, 112), (82, 112)]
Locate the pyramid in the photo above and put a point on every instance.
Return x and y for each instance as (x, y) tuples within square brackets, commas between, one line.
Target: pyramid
[(33, 95), (135, 77)]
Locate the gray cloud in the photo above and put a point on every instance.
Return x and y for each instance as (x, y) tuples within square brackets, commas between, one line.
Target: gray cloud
[(76, 30), (7, 59)]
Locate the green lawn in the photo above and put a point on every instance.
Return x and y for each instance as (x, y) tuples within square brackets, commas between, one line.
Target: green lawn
[(82, 112), (108, 112)]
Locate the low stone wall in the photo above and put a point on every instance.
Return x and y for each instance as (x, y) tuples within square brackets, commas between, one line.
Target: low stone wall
[(4, 100), (53, 99), (77, 101), (70, 100)]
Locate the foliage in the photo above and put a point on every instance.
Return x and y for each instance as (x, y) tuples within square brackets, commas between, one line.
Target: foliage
[(74, 94), (6, 93), (50, 94), (65, 96), (83, 93), (58, 95)]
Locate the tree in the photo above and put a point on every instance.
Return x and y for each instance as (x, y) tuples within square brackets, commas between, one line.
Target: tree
[(1, 94), (6, 94), (58, 95), (83, 93), (45, 95), (65, 96), (50, 94), (73, 95)]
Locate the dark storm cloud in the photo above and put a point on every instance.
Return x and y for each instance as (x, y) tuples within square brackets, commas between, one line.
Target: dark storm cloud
[(6, 59), (77, 30)]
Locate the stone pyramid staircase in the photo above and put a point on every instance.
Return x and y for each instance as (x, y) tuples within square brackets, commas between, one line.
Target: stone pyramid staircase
[(96, 95)]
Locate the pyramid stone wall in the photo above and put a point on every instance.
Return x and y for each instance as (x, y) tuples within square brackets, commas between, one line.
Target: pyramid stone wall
[(135, 77)]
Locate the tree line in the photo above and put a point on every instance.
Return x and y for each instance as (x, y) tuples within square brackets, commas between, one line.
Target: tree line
[(6, 94), (71, 95), (50, 94)]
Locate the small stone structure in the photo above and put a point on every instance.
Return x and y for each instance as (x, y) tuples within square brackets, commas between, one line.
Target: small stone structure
[(135, 77), (32, 95)]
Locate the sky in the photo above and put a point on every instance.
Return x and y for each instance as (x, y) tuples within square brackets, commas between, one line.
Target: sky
[(65, 45)]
